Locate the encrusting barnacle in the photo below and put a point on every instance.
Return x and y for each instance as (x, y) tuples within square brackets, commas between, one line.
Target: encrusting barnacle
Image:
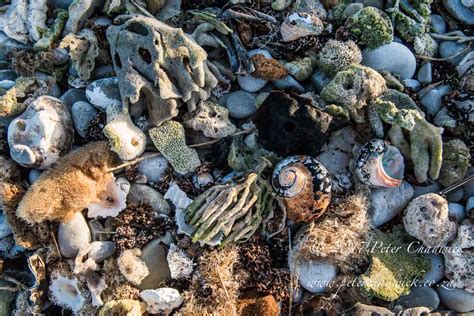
[(231, 212), (380, 164), (158, 66), (304, 185), (78, 180)]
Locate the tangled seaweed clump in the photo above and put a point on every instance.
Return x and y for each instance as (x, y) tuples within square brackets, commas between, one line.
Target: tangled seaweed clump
[(236, 158)]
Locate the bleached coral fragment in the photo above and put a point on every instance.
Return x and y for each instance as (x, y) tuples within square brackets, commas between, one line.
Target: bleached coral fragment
[(132, 267), (65, 292), (179, 263)]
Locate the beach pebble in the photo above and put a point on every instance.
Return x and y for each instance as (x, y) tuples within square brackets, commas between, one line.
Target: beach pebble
[(458, 10), (6, 84), (394, 57), (72, 96), (425, 74), (432, 99), (250, 83), (241, 104), (360, 309), (457, 210), (421, 296), (436, 271), (453, 48), (412, 84), (386, 203), (470, 204), (469, 187), (141, 193), (457, 300), (82, 114), (289, 83), (433, 187), (320, 79), (438, 24), (73, 235), (154, 169), (154, 256), (33, 175), (455, 195), (104, 93), (5, 229), (314, 275), (8, 74), (101, 250)]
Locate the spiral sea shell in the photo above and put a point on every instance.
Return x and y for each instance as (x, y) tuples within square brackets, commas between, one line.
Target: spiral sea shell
[(380, 164), (304, 185)]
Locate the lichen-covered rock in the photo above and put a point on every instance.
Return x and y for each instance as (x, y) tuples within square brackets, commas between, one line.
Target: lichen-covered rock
[(336, 55), (25, 20), (170, 140), (372, 27), (158, 67), (456, 162), (460, 264), (427, 219), (300, 24), (353, 88), (52, 34), (127, 140), (43, 133), (83, 50), (289, 124), (211, 119), (301, 69)]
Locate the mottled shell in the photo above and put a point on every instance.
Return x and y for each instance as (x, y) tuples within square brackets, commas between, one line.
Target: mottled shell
[(380, 164), (304, 185), (300, 24)]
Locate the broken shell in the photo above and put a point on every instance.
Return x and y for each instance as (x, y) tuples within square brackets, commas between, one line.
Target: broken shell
[(380, 164), (305, 186), (300, 24)]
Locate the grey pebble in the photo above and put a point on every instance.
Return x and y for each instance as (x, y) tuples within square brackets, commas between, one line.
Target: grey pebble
[(434, 187), (458, 10), (5, 229), (412, 84), (154, 169), (432, 99), (394, 57), (104, 93), (250, 83), (82, 114), (469, 187), (453, 48), (386, 203), (456, 195), (436, 271), (457, 210), (312, 275), (33, 175), (101, 250), (6, 84), (438, 24), (425, 73), (8, 74), (289, 83), (141, 193), (154, 256), (470, 204), (241, 104), (456, 299), (72, 96), (421, 296), (73, 235)]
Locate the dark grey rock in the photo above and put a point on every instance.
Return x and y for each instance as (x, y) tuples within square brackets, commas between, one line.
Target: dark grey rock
[(141, 193), (72, 96), (101, 250), (456, 299), (438, 24), (436, 271), (420, 297), (432, 99), (82, 114), (457, 210), (458, 10)]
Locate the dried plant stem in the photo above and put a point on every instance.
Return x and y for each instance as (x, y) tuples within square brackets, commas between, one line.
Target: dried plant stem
[(456, 185), (446, 58)]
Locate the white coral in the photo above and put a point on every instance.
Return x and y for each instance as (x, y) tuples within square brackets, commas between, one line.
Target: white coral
[(161, 300), (65, 292), (113, 204), (132, 267), (179, 263)]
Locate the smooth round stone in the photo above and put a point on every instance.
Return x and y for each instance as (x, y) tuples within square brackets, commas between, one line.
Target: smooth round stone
[(82, 114), (73, 235), (458, 10), (33, 175), (436, 271), (394, 57), (314, 276), (103, 71), (453, 48), (425, 73), (250, 83), (456, 195), (457, 210), (320, 79), (434, 187), (154, 168), (101, 250), (22, 154), (386, 203), (438, 24), (470, 204), (241, 104), (154, 256), (72, 96), (432, 99), (289, 83), (456, 299), (141, 193), (5, 229), (6, 84), (420, 297), (8, 74), (412, 84), (104, 93)]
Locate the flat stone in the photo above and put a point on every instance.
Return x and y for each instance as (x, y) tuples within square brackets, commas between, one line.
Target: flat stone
[(73, 235), (82, 114), (104, 93), (432, 99), (458, 10), (456, 195), (241, 104), (457, 210), (436, 271), (6, 84), (154, 256), (394, 57), (438, 24), (456, 299), (433, 187), (453, 48), (154, 169), (72, 96), (386, 203), (425, 73), (141, 193), (289, 83), (412, 84), (420, 297), (101, 250)]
